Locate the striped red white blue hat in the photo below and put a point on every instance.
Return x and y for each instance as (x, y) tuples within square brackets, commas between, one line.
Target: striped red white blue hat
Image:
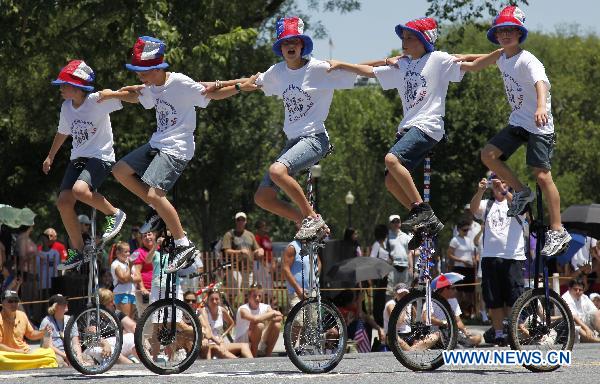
[(424, 28), (78, 74), (290, 27), (510, 16), (148, 53)]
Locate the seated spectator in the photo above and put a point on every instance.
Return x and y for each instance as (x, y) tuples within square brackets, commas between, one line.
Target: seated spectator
[(350, 305), (465, 337), (585, 313), (15, 353), (56, 319), (220, 324), (128, 353), (123, 279), (595, 299), (257, 324)]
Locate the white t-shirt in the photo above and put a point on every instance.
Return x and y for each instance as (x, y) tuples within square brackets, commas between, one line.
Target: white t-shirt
[(398, 248), (89, 126), (582, 307), (306, 92), (175, 103), (380, 252), (422, 85), (242, 325), (216, 325), (120, 288), (583, 255), (520, 73), (454, 307), (503, 236), (464, 249), (402, 327)]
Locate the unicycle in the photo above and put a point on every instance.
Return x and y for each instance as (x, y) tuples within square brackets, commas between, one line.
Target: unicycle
[(168, 335), (315, 333), (422, 325), (93, 337), (540, 318)]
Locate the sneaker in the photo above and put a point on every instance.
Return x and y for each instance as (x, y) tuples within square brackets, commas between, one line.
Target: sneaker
[(556, 242), (153, 223), (421, 217), (183, 253), (520, 201), (113, 225), (310, 227), (548, 339), (74, 259)]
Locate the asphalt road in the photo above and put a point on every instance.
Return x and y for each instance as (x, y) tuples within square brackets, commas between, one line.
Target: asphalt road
[(371, 368)]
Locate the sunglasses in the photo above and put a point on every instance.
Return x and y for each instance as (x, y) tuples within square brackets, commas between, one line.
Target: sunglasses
[(12, 301), (395, 221), (190, 300), (465, 229)]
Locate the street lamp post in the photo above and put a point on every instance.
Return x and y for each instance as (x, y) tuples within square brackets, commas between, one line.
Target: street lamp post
[(316, 174), (349, 201)]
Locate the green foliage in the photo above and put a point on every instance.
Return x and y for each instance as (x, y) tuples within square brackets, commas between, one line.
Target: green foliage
[(238, 138)]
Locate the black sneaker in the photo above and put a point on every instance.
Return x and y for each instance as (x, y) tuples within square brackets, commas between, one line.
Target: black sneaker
[(183, 253), (417, 218), (153, 223), (74, 260), (113, 225), (520, 201)]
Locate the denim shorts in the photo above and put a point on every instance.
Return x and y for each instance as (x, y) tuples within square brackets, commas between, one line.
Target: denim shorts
[(124, 298), (539, 146), (412, 147), (93, 173), (159, 171), (299, 154)]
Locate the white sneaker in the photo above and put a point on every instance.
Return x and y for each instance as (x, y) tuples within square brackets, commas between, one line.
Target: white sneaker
[(556, 242), (310, 227)]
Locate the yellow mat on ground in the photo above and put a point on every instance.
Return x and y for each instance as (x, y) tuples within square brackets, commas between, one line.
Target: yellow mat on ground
[(40, 358)]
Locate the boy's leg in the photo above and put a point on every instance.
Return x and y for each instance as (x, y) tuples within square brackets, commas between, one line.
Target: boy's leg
[(551, 195), (396, 190), (83, 193), (408, 152), (66, 207), (403, 179), (491, 157), (266, 198), (280, 176)]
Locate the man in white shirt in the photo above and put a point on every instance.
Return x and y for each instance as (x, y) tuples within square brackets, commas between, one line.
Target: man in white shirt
[(400, 256), (585, 313), (502, 253), (257, 323)]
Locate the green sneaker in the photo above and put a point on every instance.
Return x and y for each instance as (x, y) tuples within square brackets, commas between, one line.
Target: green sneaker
[(113, 225), (74, 259)]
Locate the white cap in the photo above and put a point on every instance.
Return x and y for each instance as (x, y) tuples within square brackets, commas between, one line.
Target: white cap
[(594, 296), (467, 206), (393, 217), (84, 219), (400, 288), (240, 214)]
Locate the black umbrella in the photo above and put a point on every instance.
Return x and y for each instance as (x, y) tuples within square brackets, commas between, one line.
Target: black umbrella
[(583, 218), (360, 269)]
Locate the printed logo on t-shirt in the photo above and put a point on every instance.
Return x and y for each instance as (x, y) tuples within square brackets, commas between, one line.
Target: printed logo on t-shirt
[(415, 90), (514, 92), (166, 115), (82, 131), (297, 102), (498, 222)]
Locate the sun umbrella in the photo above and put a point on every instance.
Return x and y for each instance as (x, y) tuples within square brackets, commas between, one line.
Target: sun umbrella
[(445, 279), (15, 217), (583, 218), (359, 269)]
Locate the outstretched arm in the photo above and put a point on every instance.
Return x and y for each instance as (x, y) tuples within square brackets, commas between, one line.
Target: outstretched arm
[(127, 94), (225, 91), (210, 86), (359, 69), (381, 62), (481, 62)]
